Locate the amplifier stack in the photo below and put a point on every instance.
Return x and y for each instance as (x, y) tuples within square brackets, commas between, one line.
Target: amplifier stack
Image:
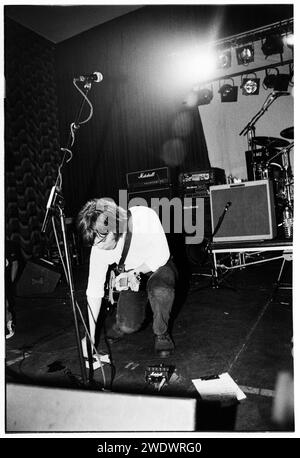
[(150, 183), (197, 183), (157, 183)]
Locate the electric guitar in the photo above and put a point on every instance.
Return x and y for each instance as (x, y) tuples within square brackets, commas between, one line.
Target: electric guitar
[(117, 282)]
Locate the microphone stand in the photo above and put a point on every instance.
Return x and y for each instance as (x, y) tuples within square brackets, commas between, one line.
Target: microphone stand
[(215, 282), (56, 205), (249, 129)]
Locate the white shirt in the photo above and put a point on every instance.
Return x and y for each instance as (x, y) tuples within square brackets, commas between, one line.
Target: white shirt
[(148, 246)]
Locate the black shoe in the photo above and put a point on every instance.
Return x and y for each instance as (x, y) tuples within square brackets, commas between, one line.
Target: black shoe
[(164, 345)]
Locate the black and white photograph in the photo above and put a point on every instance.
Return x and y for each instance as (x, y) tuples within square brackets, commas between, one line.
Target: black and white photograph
[(148, 235)]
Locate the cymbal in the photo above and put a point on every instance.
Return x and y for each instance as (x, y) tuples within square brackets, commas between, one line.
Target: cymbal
[(288, 133), (270, 142)]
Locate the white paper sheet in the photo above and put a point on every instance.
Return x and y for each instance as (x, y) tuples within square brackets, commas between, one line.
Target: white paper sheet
[(218, 388)]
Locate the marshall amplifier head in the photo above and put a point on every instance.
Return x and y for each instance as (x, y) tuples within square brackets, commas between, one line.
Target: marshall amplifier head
[(148, 178)]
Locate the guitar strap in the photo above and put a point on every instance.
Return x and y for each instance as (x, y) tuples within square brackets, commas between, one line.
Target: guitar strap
[(128, 236)]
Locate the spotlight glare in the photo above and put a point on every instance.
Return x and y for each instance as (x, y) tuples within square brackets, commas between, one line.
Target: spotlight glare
[(196, 66), (224, 59), (191, 99), (198, 97), (207, 65), (289, 40)]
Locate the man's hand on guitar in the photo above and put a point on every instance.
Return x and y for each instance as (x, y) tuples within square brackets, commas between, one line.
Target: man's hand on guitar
[(127, 280)]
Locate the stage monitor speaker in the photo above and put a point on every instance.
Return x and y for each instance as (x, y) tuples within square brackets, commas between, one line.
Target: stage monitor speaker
[(38, 277), (251, 211), (45, 409)]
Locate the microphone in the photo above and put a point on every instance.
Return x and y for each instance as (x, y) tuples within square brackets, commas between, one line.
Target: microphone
[(227, 205), (96, 77), (50, 203)]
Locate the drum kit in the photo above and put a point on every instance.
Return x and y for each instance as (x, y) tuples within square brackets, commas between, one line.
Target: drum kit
[(271, 160)]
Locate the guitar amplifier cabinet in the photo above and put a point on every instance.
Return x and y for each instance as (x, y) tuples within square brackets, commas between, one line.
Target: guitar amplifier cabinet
[(149, 194), (190, 211), (250, 214)]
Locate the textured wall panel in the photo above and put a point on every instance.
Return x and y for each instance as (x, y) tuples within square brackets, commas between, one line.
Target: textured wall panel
[(31, 135)]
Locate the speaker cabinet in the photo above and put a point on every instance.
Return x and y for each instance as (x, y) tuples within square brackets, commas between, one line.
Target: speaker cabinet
[(148, 194), (250, 214), (190, 211), (38, 277), (148, 197)]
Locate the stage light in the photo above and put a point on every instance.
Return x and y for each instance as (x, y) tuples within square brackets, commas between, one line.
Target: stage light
[(273, 44), (229, 92), (250, 86), (204, 96), (245, 54), (282, 82), (224, 59), (289, 41), (278, 81), (270, 79), (198, 97)]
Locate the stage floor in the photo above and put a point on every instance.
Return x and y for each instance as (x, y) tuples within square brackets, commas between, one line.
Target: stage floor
[(245, 331)]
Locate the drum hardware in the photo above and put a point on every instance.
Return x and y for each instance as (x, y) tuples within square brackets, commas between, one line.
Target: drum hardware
[(249, 129), (270, 142), (262, 169), (286, 192), (288, 133)]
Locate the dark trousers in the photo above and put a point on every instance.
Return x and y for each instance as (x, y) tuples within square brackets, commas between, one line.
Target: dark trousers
[(160, 291)]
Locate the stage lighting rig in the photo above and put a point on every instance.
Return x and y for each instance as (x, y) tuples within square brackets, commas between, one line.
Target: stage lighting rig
[(270, 79), (250, 86), (273, 44), (229, 92), (278, 81), (205, 96), (224, 58), (245, 54)]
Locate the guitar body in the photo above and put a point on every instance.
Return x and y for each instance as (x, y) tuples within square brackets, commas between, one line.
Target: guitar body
[(117, 282)]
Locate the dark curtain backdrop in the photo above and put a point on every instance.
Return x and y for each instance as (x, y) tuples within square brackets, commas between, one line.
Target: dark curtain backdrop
[(31, 135), (139, 119)]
